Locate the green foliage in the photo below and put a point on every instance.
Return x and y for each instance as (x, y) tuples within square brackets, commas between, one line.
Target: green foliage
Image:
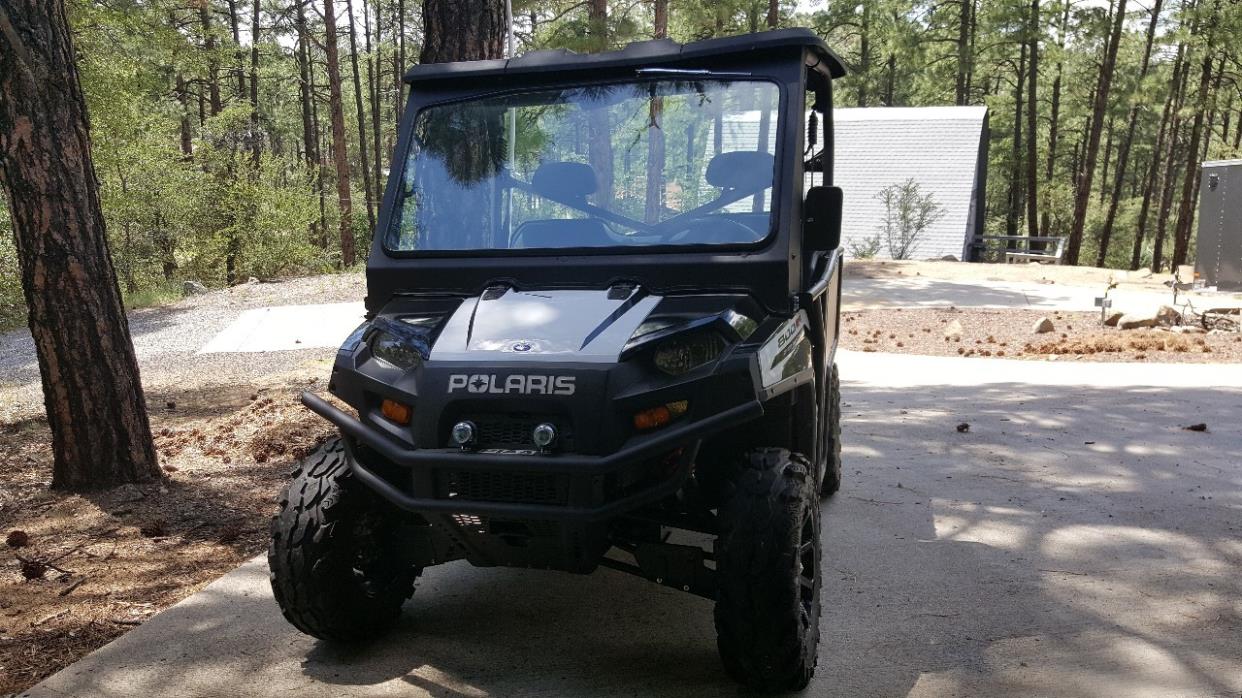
[(907, 214)]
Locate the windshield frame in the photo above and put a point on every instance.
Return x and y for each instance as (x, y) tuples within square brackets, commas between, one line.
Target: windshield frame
[(396, 201)]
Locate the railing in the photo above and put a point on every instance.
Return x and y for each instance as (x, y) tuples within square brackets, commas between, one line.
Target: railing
[(1012, 249)]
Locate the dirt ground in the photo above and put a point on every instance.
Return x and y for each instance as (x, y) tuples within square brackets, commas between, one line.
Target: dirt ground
[(1039, 273), (101, 563), (1008, 333)]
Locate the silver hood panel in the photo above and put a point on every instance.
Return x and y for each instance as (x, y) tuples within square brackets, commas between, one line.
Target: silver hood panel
[(563, 325)]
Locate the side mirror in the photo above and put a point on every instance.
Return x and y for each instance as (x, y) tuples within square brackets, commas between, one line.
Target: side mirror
[(821, 218)]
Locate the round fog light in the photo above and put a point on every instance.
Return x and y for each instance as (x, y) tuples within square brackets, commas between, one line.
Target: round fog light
[(463, 433), (544, 435)]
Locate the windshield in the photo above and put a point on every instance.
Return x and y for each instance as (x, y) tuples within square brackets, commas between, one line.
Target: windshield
[(662, 162)]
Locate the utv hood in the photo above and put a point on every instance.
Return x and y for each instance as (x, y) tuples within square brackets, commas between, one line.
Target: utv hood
[(508, 325)]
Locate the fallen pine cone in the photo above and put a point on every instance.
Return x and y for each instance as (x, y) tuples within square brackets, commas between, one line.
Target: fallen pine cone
[(963, 428), (1196, 427), (17, 539), (33, 569)]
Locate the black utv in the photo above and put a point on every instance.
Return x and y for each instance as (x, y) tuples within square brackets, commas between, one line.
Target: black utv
[(602, 307)]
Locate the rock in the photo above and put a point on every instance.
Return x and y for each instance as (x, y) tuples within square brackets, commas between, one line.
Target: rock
[(954, 330), (1134, 322), (252, 280), (1168, 316), (1113, 318), (193, 288), (1043, 326), (948, 258)]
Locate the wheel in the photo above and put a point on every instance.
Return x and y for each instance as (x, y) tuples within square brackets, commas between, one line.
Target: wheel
[(335, 567), (767, 567), (832, 446)]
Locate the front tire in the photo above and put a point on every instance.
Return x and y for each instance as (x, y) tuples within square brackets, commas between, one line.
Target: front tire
[(335, 565), (768, 556), (832, 441)]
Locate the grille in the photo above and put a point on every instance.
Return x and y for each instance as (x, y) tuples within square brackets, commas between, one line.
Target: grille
[(520, 488), (514, 431)]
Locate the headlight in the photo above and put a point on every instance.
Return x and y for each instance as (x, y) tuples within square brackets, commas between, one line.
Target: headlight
[(393, 350), (683, 354)]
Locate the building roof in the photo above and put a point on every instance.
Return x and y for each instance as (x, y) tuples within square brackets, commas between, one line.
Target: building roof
[(637, 54), (938, 147)]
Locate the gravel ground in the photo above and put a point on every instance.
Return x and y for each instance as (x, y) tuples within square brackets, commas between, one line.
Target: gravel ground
[(166, 339), (1008, 333)]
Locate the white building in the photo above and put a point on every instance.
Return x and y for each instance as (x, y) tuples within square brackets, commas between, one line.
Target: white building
[(944, 149)]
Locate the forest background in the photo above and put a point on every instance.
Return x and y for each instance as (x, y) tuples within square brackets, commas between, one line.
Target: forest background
[(220, 156)]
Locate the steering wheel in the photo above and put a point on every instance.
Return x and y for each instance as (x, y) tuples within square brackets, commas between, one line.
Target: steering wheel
[(711, 229)]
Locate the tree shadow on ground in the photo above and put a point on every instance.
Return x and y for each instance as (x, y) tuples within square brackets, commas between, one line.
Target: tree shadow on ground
[(1072, 542)]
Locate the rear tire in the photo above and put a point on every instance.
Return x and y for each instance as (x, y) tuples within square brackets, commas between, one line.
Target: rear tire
[(336, 569), (832, 441), (767, 564)]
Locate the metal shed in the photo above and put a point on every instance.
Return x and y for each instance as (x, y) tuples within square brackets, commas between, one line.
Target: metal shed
[(1218, 246)]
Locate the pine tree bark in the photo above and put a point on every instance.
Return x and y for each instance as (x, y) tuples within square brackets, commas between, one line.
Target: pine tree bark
[(1123, 149), (256, 143), (1185, 210), (362, 120), (1083, 196), (373, 92), (1054, 119), (655, 132), (463, 30), (213, 63), (340, 150), (599, 146), (238, 54), (963, 36), (1032, 108), (91, 386), (1015, 155)]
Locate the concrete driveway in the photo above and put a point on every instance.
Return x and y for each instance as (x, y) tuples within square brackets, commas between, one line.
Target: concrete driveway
[(1075, 541)]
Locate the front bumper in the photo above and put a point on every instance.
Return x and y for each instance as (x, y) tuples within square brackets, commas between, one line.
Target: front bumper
[(423, 464)]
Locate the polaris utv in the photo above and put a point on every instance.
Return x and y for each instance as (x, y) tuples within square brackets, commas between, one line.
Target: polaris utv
[(602, 307)]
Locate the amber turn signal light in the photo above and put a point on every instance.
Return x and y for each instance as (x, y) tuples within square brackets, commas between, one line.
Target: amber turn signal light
[(656, 417), (396, 412)]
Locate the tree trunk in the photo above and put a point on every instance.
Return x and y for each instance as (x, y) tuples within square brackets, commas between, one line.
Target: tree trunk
[(400, 104), (1083, 196), (340, 151), (1123, 149), (362, 119), (1032, 108), (463, 30), (1108, 152), (960, 96), (91, 386), (1185, 210), (239, 56), (373, 90), (864, 52), (1015, 155), (655, 133), (183, 98), (599, 147), (256, 143), (213, 64), (1157, 159), (1054, 120)]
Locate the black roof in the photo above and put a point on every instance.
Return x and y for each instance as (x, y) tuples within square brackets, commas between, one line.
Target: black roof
[(639, 53)]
